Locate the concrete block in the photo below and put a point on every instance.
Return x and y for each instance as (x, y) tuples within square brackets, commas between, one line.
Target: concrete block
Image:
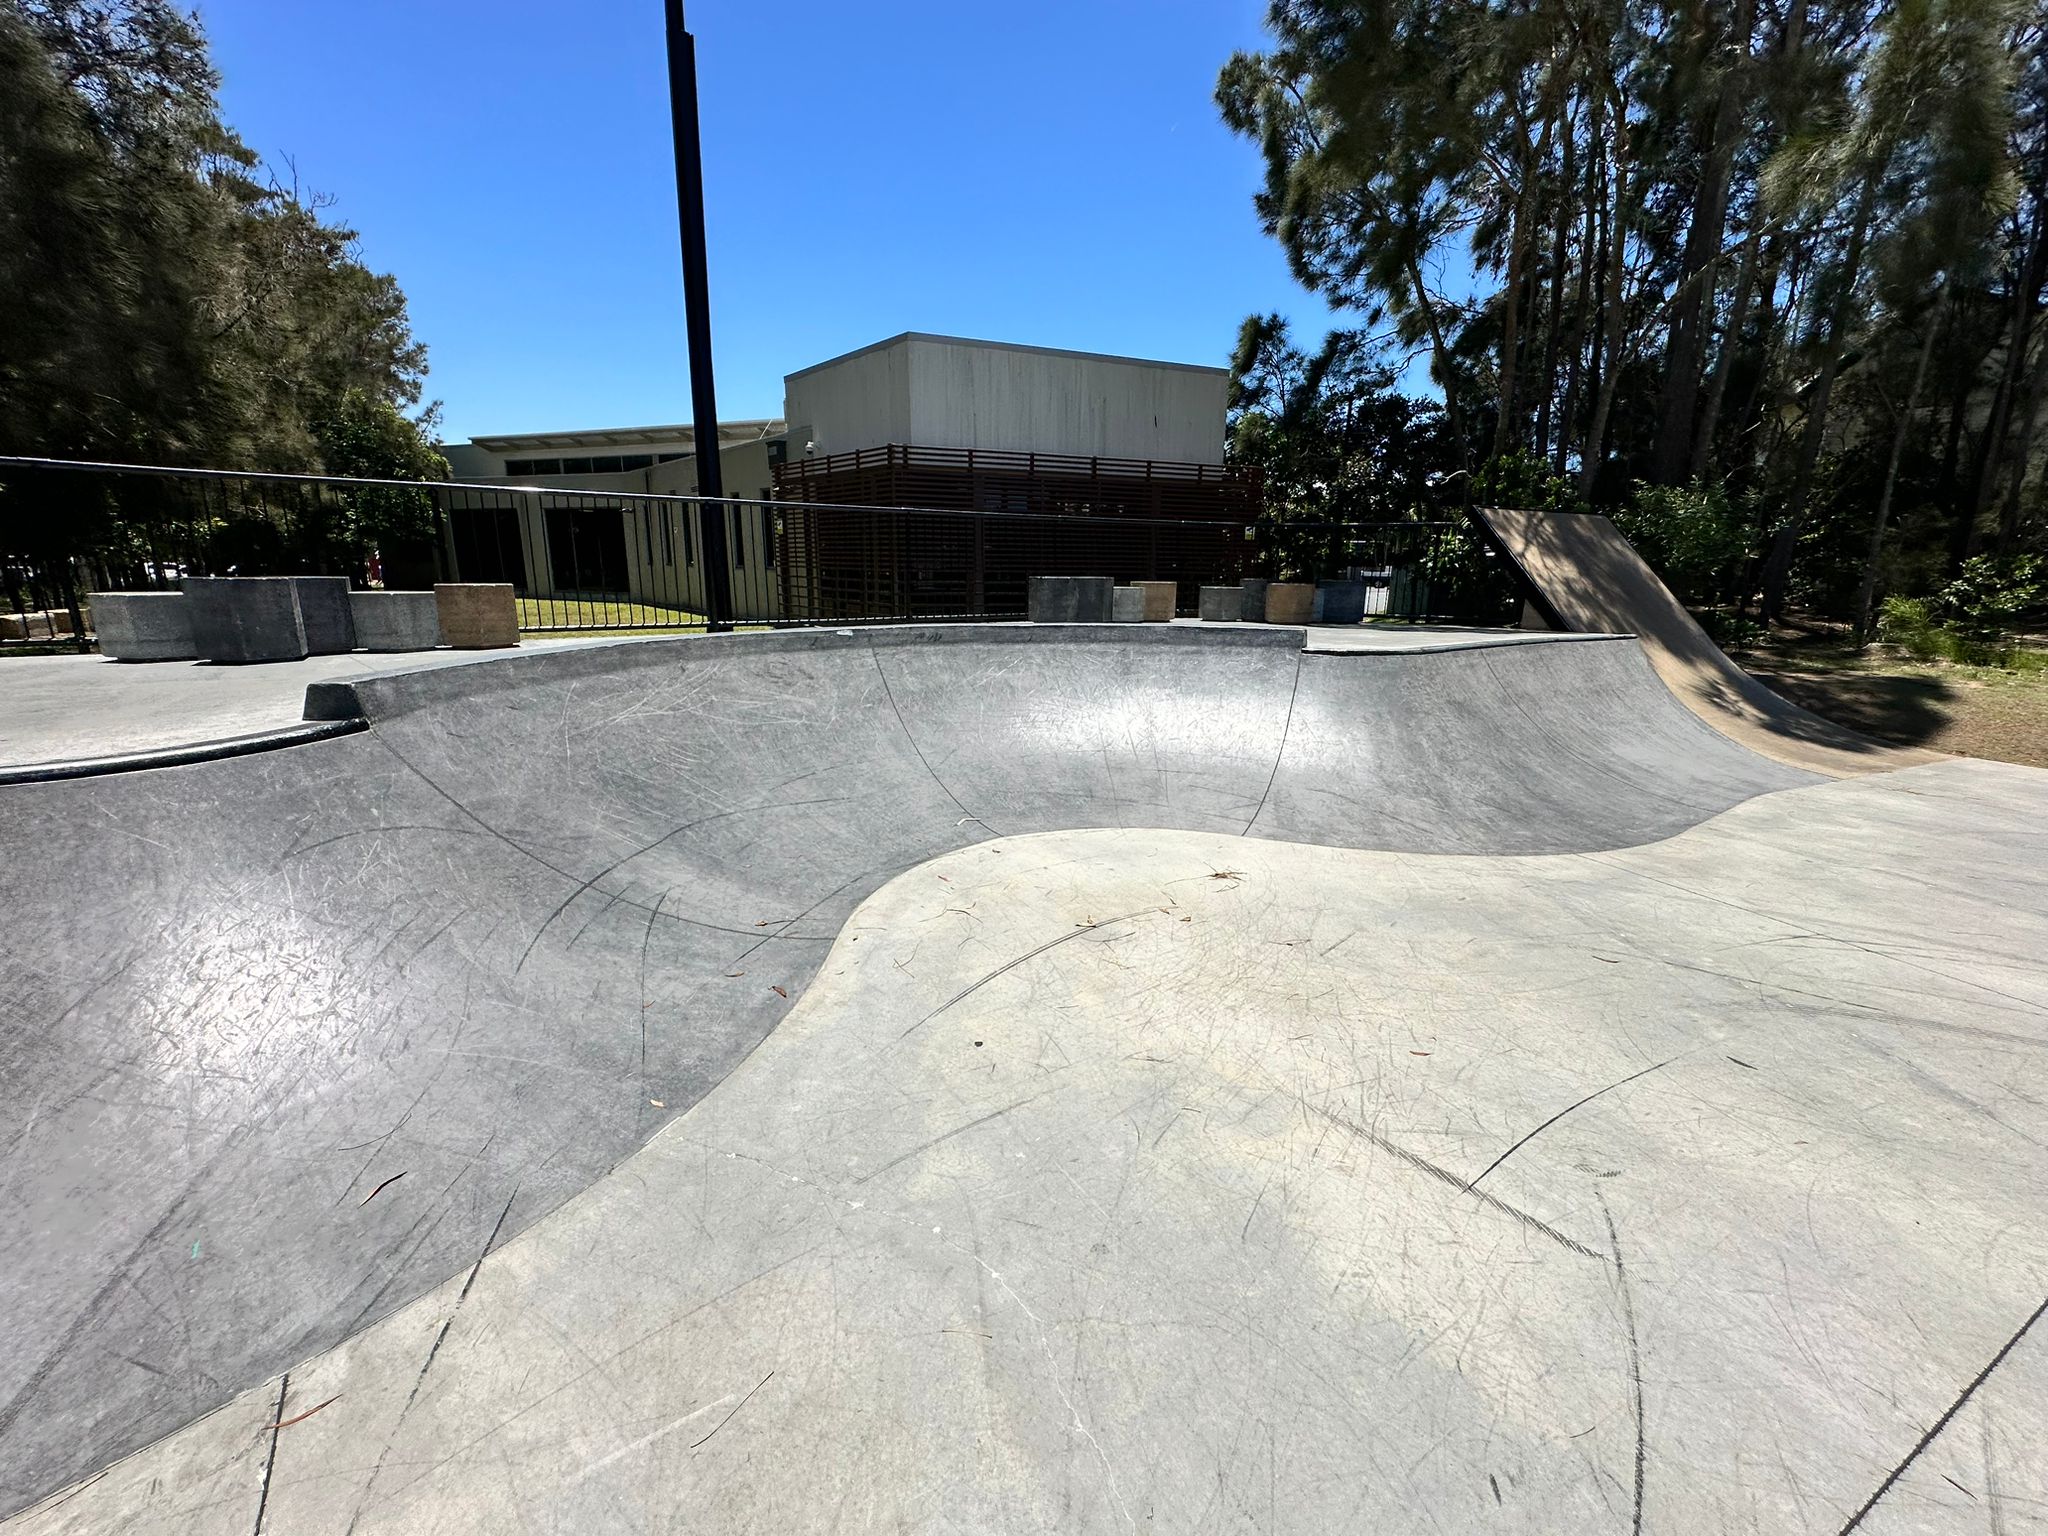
[(36, 624), (324, 609), (142, 626), (1161, 597), (1289, 602), (1222, 605), (1127, 606), (1254, 588), (477, 616), (245, 618), (396, 621), (1071, 600), (1343, 601)]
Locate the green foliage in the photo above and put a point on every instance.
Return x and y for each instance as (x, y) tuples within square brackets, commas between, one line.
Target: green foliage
[(1690, 536), (161, 299), (1989, 594), (1526, 483), (1908, 623)]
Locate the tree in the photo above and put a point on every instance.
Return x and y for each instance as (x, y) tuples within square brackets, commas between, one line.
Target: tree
[(1782, 252)]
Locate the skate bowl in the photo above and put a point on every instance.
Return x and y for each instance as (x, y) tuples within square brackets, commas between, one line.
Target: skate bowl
[(1002, 1078)]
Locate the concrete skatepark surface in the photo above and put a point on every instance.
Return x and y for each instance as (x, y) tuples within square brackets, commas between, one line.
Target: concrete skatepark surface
[(1594, 580), (1653, 1159)]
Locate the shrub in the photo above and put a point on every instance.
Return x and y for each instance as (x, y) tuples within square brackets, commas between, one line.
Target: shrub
[(1988, 594), (1908, 623), (1689, 535)]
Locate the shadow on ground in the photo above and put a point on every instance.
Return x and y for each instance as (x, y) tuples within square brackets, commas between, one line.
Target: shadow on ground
[(1906, 710)]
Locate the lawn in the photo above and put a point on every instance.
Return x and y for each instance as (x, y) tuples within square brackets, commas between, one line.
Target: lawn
[(572, 615), (1994, 712)]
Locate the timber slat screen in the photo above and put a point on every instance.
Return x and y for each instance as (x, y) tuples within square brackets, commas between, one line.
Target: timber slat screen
[(1040, 514)]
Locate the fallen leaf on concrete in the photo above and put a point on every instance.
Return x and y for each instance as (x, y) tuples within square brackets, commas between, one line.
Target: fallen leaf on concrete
[(302, 1417), (1226, 874), (1418, 1053), (373, 1194), (778, 992), (657, 1104), (731, 974)]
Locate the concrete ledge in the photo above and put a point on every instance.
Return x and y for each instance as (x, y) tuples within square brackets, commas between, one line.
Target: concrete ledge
[(477, 616), (38, 624), (1160, 600), (325, 612), (1071, 599), (245, 618), (1341, 602), (1290, 602), (143, 626), (1253, 607), (396, 621), (1222, 605), (1127, 606)]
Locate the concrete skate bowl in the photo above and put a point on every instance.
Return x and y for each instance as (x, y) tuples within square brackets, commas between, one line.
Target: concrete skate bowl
[(348, 1082)]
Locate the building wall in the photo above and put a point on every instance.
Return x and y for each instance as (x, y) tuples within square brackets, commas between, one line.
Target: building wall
[(947, 392)]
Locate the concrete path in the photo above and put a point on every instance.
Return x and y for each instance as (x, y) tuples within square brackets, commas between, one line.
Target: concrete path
[(59, 708), (344, 1028)]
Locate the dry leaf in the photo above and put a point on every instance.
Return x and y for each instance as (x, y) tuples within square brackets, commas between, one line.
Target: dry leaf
[(778, 992), (657, 1104), (1418, 1053), (301, 1418)]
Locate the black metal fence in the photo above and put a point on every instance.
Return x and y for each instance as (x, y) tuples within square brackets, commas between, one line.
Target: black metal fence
[(601, 560)]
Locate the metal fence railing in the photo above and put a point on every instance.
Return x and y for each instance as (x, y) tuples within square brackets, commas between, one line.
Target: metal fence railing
[(629, 561)]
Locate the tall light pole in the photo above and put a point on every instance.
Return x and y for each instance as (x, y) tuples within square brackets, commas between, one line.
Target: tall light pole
[(682, 100)]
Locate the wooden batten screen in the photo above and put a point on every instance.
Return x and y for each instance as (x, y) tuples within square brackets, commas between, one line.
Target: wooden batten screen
[(1131, 519)]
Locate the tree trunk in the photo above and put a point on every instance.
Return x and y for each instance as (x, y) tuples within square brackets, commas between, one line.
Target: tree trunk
[(2022, 451), (1778, 564), (1611, 310), (1520, 238), (1866, 597), (1697, 283), (1717, 388)]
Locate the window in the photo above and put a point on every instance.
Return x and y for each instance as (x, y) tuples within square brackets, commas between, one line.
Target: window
[(575, 467), (533, 466), (669, 458), (636, 461), (606, 466)]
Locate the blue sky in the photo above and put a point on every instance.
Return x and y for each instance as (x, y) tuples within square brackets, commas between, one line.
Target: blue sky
[(1051, 173)]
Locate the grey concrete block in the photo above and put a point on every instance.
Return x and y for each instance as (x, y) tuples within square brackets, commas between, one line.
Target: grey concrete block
[(478, 616), (1254, 605), (1289, 602), (245, 618), (37, 624), (142, 626), (1070, 599), (1127, 606), (1343, 602), (324, 609), (1222, 605), (1161, 597), (396, 621)]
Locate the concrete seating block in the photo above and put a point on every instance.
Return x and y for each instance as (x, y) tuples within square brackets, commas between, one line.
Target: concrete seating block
[(1070, 600), (245, 618), (1222, 605), (396, 621), (1289, 602), (142, 626), (1160, 599), (477, 616), (37, 624), (1343, 602), (324, 608), (1127, 606), (1254, 604)]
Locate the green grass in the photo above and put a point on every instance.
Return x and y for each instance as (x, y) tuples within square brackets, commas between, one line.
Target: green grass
[(582, 615)]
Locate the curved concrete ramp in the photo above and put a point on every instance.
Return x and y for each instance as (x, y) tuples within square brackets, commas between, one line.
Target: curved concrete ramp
[(1593, 579), (1124, 1180), (289, 1039)]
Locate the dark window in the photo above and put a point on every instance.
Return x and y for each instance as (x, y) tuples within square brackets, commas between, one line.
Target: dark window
[(533, 466), (575, 467), (606, 466), (636, 461), (519, 466)]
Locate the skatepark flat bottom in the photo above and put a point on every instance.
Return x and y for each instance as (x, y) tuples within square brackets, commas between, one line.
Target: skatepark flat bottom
[(1664, 1157)]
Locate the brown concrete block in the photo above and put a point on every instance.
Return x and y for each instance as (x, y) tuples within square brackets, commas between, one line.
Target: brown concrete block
[(477, 616)]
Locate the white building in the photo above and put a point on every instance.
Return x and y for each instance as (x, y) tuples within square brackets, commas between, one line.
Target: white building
[(917, 420)]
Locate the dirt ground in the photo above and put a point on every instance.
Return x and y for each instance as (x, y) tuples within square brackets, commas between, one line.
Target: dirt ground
[(1972, 711)]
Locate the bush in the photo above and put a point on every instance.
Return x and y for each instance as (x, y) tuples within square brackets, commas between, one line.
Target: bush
[(1988, 594), (1908, 623), (1689, 535)]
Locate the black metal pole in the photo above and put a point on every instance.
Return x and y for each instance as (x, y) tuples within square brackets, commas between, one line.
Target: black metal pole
[(682, 97)]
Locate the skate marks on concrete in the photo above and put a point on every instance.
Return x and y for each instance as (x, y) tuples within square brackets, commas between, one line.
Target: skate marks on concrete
[(1107, 1179)]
